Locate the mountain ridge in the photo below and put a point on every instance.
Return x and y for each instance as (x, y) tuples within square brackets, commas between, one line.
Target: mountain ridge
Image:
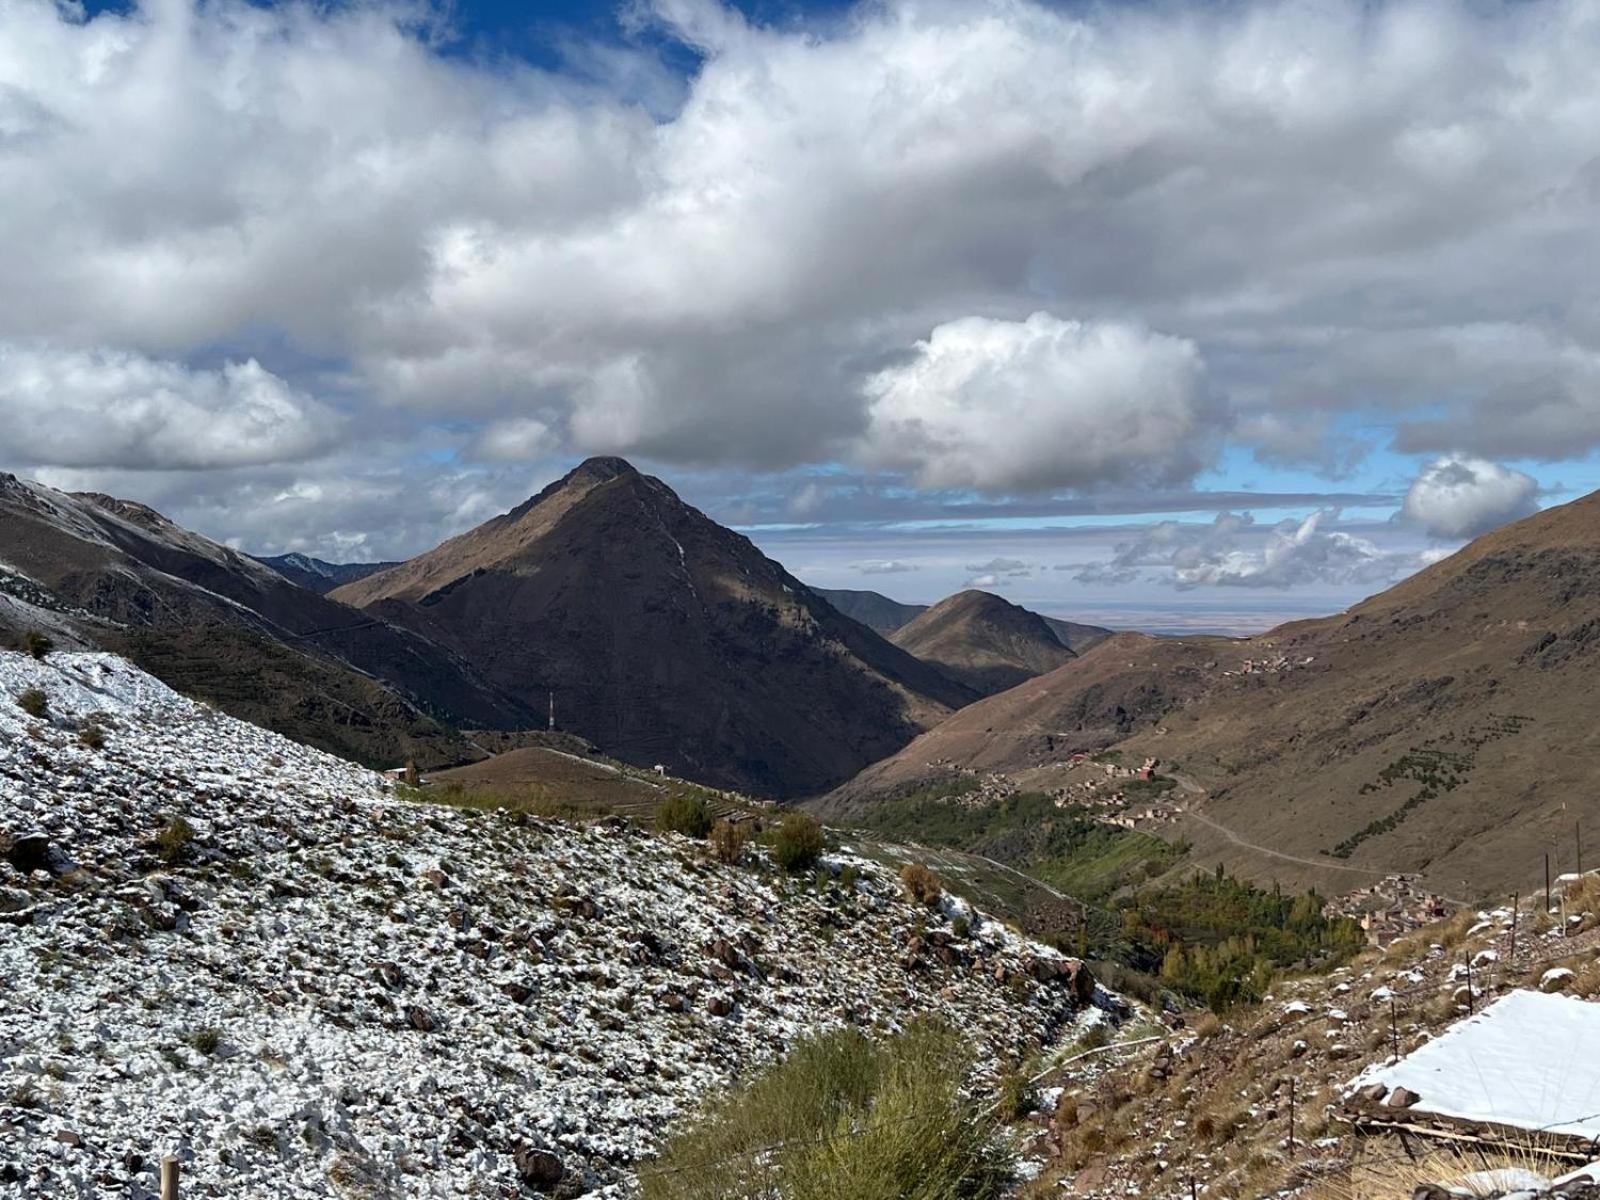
[(663, 636)]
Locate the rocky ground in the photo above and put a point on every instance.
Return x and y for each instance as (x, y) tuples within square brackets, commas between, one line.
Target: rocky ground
[(220, 944), (1207, 1111)]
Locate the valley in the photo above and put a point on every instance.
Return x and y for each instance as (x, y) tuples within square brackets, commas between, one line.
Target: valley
[(655, 817)]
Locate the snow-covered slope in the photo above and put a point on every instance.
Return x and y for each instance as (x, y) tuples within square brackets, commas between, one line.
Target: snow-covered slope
[(309, 987)]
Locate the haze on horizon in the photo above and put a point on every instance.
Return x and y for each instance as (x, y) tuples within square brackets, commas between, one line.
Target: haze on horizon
[(1175, 316)]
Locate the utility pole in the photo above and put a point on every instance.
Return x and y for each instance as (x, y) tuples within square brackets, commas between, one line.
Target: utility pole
[(1578, 829), (552, 711), (1394, 1030), (1547, 883), (1467, 957)]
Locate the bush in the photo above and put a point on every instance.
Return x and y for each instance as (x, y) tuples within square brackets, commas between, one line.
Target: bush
[(921, 884), (685, 814), (35, 703), (173, 840), (797, 843), (206, 1040), (727, 842), (36, 644), (1017, 1097), (843, 1116), (92, 737)]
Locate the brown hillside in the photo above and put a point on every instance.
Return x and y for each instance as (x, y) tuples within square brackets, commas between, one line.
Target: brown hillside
[(1446, 726), (664, 636), (983, 641), (216, 624)]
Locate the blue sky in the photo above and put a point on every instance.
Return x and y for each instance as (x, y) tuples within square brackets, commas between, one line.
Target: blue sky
[(1167, 315)]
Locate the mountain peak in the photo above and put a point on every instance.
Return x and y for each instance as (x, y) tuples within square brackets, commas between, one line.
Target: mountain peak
[(600, 469)]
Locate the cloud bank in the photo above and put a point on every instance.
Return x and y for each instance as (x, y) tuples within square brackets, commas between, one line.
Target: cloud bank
[(1461, 497)]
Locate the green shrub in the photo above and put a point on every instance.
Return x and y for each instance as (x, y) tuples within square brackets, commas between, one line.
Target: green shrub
[(92, 737), (37, 644), (843, 1116), (206, 1040), (797, 842), (686, 814), (35, 703), (173, 840)]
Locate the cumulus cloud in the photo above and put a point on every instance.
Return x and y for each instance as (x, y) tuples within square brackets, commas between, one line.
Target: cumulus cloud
[(1461, 497), (1023, 405), (984, 581), (886, 566), (110, 408), (1232, 552), (826, 242)]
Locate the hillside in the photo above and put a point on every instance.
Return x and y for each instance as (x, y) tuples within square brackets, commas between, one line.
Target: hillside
[(877, 611), (983, 641), (215, 623), (227, 946), (664, 637), (873, 609), (317, 574), (1444, 727)]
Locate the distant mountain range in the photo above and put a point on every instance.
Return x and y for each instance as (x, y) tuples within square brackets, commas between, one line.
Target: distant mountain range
[(1445, 726), (319, 575), (877, 611)]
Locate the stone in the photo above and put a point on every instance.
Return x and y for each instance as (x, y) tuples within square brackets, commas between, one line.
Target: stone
[(539, 1169), (1402, 1098)]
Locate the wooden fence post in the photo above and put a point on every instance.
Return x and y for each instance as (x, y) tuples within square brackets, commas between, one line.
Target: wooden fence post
[(169, 1177), (1511, 959), (1394, 1030), (1291, 1115)]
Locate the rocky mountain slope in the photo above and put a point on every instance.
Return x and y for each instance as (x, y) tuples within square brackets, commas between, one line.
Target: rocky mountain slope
[(877, 611), (983, 641), (1445, 726), (664, 636), (213, 622), (873, 609), (317, 574), (220, 944)]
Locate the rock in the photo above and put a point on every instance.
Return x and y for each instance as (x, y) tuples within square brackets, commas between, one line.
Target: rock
[(1431, 1191), (419, 1018), (68, 1138), (719, 1006), (1402, 1098), (539, 1169), (27, 852), (1373, 1093)]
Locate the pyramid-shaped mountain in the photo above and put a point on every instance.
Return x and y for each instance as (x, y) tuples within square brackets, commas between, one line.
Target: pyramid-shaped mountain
[(664, 637)]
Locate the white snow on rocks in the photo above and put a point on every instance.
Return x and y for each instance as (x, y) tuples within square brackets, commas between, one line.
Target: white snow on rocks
[(308, 987)]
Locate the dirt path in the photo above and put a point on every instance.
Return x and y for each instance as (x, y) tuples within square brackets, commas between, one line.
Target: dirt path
[(1192, 788)]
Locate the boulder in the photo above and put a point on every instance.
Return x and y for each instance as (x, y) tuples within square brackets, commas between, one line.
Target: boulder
[(539, 1169)]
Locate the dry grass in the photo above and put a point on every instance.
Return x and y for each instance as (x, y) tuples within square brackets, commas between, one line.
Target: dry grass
[(1389, 1174), (921, 884)]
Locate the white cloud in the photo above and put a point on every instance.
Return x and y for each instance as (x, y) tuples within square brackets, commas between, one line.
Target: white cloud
[(887, 566), (1018, 405), (109, 408), (517, 438), (984, 581), (1296, 553), (1233, 552), (1461, 497), (779, 262)]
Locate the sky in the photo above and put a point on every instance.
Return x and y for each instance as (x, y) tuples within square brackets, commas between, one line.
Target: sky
[(1162, 314)]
